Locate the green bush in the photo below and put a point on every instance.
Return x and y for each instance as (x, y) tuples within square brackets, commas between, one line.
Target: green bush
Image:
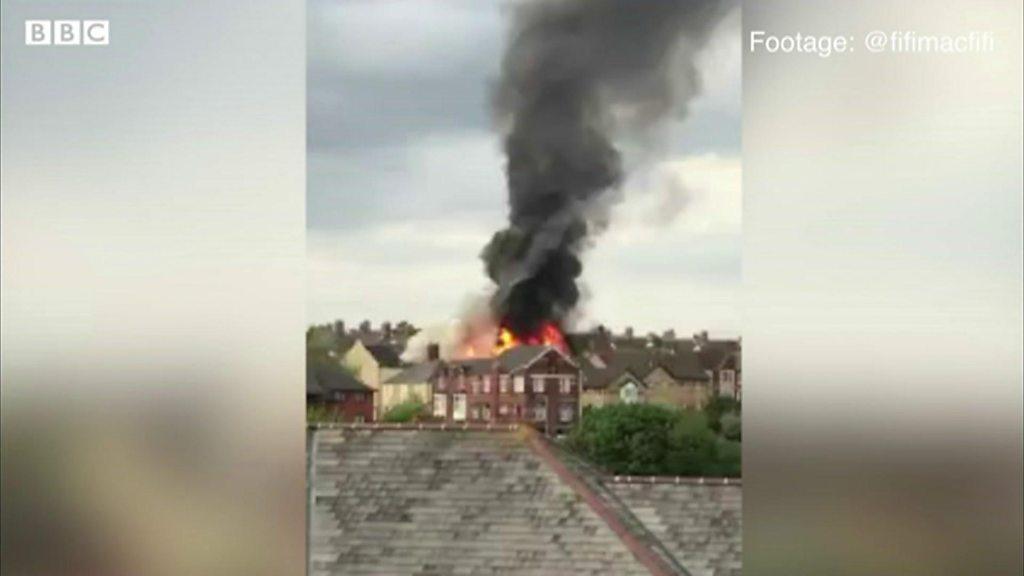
[(732, 426), (408, 411), (319, 413), (717, 407), (645, 439), (691, 446), (729, 460)]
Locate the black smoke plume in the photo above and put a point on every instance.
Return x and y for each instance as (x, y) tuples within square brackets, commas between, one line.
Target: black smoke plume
[(576, 75)]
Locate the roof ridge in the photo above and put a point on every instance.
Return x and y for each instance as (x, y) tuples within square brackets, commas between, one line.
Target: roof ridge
[(644, 554)]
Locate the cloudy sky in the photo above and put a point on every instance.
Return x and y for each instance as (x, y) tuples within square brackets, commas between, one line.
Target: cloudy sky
[(406, 181)]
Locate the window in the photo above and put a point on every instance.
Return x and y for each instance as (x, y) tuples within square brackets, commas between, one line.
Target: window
[(503, 383), (359, 419), (565, 385), (474, 413), (503, 409), (440, 406), (540, 412), (567, 412), (519, 384), (339, 396), (485, 412), (459, 407), (441, 383), (728, 376), (538, 384), (476, 385), (487, 384)]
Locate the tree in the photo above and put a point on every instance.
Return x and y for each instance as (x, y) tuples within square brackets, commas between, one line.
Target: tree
[(647, 439)]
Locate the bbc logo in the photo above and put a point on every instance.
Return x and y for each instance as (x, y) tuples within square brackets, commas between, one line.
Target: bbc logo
[(67, 32)]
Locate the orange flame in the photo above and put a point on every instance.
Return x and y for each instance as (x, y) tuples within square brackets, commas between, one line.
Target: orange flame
[(548, 335)]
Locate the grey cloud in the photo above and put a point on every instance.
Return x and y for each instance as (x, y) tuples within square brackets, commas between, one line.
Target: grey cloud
[(375, 87)]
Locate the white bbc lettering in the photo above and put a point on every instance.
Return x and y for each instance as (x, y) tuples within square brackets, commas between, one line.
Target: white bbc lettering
[(67, 32), (95, 32), (37, 32)]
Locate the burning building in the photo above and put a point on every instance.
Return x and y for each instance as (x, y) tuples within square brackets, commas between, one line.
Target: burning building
[(578, 79), (536, 384)]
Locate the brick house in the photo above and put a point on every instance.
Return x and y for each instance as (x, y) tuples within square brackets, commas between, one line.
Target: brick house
[(331, 386), (538, 385)]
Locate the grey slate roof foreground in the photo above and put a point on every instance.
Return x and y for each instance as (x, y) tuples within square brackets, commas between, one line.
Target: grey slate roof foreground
[(426, 502), (699, 525)]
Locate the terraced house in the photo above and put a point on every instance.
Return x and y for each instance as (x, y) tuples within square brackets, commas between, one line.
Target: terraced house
[(539, 385), (679, 372)]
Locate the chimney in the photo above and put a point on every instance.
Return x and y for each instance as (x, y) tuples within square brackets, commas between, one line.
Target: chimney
[(629, 332), (339, 327), (699, 340), (433, 352)]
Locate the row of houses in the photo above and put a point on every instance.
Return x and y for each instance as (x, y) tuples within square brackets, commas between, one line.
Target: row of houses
[(541, 385)]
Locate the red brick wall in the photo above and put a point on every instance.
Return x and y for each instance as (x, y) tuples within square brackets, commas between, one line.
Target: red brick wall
[(553, 364), (520, 405), (355, 404)]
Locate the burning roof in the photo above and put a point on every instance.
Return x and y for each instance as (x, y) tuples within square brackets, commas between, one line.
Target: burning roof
[(509, 360)]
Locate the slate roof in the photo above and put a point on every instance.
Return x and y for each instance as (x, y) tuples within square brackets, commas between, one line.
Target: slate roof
[(407, 502), (680, 364), (312, 386), (385, 354), (417, 373), (683, 364), (700, 525), (432, 502), (323, 376), (473, 366), (714, 353), (520, 357), (515, 358)]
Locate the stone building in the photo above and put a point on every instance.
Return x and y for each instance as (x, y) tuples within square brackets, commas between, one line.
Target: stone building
[(656, 376)]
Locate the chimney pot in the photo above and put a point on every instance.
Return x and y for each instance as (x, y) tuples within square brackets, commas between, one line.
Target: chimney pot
[(433, 351)]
